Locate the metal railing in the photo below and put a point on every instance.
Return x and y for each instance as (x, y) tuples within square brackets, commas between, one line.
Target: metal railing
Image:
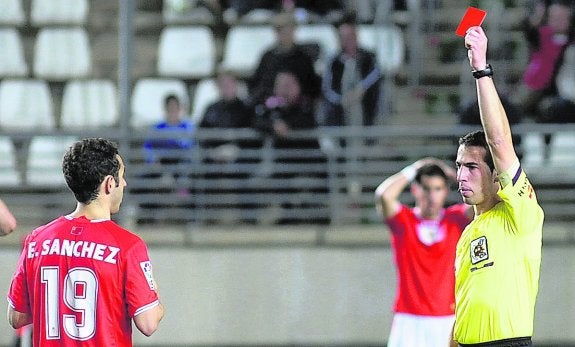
[(330, 180)]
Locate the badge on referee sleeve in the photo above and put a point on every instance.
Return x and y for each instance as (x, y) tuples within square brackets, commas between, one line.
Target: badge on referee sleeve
[(478, 250)]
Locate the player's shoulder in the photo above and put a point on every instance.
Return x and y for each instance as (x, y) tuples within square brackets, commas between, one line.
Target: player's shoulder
[(456, 210)]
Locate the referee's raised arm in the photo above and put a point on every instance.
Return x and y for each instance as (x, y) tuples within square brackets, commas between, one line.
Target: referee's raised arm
[(493, 116)]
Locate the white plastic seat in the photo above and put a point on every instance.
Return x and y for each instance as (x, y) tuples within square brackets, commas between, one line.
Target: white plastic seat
[(9, 175), (388, 44), (12, 63), (533, 148), (244, 47), (148, 99), (186, 52), (206, 93), (186, 12), (46, 12), (89, 103), (562, 150), (12, 12), (62, 53), (44, 164), (323, 34), (25, 104)]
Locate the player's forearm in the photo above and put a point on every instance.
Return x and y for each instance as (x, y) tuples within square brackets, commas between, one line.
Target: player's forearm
[(18, 319)]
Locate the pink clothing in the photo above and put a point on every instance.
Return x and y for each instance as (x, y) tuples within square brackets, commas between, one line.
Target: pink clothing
[(424, 253), (539, 72), (82, 281)]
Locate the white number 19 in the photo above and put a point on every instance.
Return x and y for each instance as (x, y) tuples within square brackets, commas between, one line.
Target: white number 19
[(80, 294)]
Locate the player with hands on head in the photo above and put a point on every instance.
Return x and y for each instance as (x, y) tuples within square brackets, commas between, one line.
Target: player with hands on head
[(423, 239), (501, 247), (82, 278)]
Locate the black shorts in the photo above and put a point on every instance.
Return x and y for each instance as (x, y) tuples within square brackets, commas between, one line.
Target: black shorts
[(514, 342)]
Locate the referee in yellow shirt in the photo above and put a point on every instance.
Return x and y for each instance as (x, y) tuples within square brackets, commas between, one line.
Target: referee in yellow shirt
[(498, 256)]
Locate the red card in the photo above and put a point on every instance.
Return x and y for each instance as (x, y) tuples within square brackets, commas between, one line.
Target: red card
[(472, 17)]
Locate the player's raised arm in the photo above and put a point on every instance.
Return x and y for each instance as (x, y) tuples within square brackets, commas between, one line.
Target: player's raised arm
[(493, 116)]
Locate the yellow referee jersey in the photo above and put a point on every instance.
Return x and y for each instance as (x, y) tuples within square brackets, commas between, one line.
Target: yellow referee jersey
[(497, 266)]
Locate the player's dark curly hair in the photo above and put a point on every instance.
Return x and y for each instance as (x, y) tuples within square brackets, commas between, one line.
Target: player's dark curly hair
[(477, 138), (86, 163), (430, 170)]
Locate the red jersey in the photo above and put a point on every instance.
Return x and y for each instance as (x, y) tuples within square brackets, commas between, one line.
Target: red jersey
[(83, 281), (424, 253)]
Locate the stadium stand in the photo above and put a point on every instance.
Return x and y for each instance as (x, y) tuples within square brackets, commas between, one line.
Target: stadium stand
[(9, 173), (12, 13), (148, 98), (62, 53), (89, 104), (26, 104), (244, 45), (12, 63), (59, 12), (44, 164)]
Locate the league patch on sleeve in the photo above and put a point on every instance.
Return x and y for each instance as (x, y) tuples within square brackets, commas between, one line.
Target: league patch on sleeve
[(147, 270), (478, 250)]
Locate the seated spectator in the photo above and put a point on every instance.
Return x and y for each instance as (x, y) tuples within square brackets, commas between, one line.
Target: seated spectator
[(170, 150), (170, 144), (230, 111), (350, 83), (286, 111), (547, 31), (285, 55)]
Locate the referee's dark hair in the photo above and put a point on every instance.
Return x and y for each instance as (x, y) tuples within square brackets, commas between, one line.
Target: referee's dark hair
[(477, 138)]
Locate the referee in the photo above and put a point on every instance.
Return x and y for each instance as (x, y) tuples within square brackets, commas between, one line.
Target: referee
[(498, 256)]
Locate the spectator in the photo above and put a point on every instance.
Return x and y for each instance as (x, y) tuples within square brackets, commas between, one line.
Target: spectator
[(163, 149), (288, 110), (561, 107), (225, 157), (285, 55), (547, 31), (350, 84)]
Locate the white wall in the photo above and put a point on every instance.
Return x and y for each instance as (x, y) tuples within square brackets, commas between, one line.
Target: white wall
[(289, 295)]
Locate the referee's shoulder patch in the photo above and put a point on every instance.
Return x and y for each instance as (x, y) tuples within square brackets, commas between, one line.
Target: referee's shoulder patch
[(478, 250)]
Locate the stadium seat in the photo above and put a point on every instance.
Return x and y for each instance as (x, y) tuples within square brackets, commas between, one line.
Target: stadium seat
[(186, 12), (62, 53), (206, 93), (148, 99), (186, 52), (25, 104), (9, 175), (533, 148), (12, 12), (48, 12), (12, 63), (244, 47), (44, 164), (562, 151), (388, 44), (323, 34), (89, 103)]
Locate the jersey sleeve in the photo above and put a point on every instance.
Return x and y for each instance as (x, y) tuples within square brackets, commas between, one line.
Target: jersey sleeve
[(396, 222), (520, 199), (141, 294), (18, 296)]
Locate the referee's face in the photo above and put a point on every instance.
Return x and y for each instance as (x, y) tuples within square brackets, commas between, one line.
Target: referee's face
[(475, 179)]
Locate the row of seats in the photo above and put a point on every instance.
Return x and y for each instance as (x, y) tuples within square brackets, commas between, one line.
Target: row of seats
[(59, 54), (44, 12), (244, 45), (186, 51), (43, 164), (28, 103)]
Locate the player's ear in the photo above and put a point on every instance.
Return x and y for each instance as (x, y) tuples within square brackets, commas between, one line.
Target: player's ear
[(109, 183)]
